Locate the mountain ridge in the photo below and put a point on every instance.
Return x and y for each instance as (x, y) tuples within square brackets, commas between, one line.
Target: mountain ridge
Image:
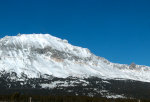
[(35, 54)]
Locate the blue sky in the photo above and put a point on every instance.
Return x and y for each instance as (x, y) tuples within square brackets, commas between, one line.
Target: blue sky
[(118, 30)]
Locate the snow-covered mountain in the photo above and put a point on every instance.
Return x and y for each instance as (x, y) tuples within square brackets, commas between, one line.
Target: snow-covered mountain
[(44, 54)]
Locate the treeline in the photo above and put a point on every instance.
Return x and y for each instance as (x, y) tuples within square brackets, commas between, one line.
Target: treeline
[(16, 97)]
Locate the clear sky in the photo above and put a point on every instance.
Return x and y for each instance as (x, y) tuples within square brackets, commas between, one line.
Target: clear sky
[(118, 30)]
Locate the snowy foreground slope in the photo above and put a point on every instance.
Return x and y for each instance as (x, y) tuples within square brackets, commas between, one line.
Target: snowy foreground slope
[(43, 54)]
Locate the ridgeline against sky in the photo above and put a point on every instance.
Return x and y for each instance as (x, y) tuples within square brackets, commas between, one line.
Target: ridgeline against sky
[(115, 29)]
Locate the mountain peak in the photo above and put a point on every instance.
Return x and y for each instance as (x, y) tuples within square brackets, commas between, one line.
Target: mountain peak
[(43, 41)]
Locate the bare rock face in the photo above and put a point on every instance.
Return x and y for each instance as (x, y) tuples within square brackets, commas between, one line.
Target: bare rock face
[(132, 66)]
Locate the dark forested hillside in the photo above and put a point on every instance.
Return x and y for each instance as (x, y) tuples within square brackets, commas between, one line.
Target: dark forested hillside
[(16, 97), (93, 87)]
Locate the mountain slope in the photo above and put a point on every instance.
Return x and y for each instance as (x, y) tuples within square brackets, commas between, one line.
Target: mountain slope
[(43, 54)]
